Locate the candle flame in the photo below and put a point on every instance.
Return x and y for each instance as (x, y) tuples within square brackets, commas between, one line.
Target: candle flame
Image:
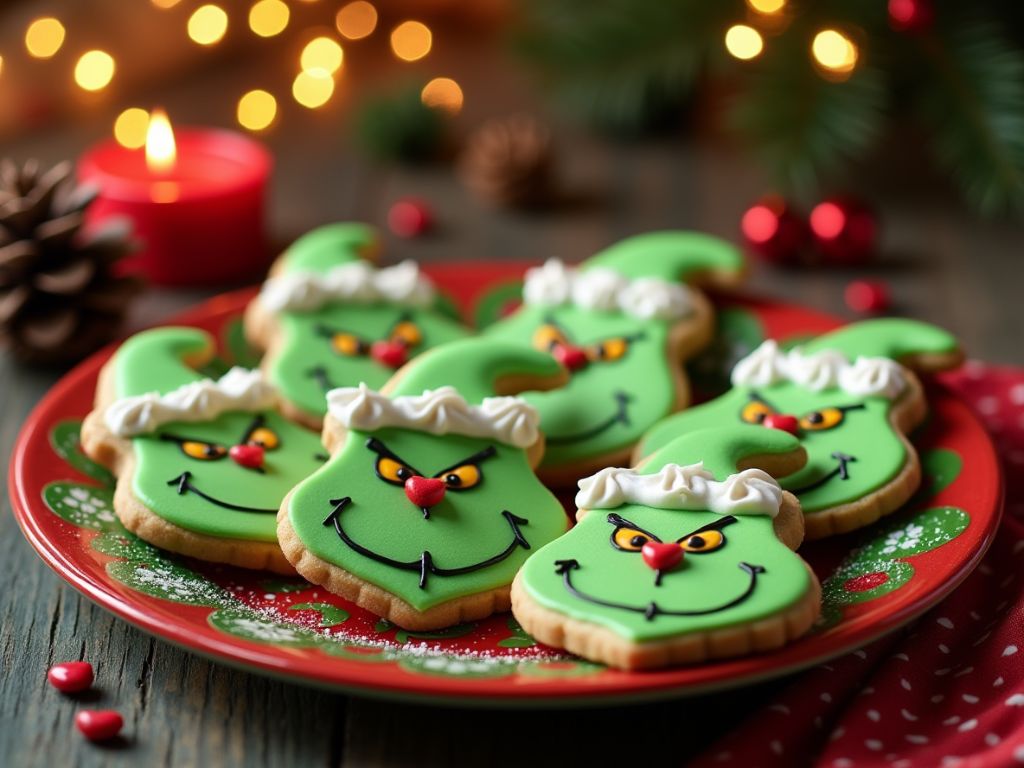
[(161, 152)]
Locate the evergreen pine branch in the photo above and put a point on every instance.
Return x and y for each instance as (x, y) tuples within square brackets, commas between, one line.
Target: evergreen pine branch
[(803, 127), (623, 64), (972, 97)]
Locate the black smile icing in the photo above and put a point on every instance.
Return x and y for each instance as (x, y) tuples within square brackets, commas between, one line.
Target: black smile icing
[(320, 376), (425, 564), (184, 483), (652, 610), (621, 416), (841, 471)]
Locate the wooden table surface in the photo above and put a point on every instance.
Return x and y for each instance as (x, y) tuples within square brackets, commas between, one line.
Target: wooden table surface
[(942, 264)]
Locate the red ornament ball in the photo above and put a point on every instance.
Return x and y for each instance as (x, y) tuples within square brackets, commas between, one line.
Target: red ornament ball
[(70, 676), (99, 724), (867, 296), (911, 15), (410, 218), (844, 231), (773, 231)]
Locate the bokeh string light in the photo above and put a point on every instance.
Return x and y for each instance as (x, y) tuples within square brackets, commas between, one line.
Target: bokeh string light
[(834, 52), (131, 127), (44, 37), (356, 20), (312, 88), (743, 42), (411, 40), (256, 110), (94, 70), (268, 18), (208, 24), (322, 53), (443, 93), (767, 7)]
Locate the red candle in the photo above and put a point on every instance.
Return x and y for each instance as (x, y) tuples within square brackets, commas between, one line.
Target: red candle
[(196, 200)]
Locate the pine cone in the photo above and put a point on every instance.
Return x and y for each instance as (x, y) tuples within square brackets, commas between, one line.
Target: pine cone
[(508, 162), (58, 298)]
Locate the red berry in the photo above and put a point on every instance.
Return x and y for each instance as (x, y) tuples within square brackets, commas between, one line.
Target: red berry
[(773, 231), (99, 724), (410, 218), (868, 296), (425, 491), (390, 353), (70, 676), (844, 231), (783, 421), (250, 456), (661, 557), (911, 15)]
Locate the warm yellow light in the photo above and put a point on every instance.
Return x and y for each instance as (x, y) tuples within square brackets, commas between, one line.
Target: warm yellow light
[(443, 93), (165, 3), (256, 110), (131, 127), (1, 65), (44, 37), (766, 6), (207, 24), (94, 70), (313, 88), (322, 53), (161, 151), (743, 42), (411, 40), (268, 17), (834, 51), (356, 20)]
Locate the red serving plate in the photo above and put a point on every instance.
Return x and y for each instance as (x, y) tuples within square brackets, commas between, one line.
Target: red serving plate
[(874, 580)]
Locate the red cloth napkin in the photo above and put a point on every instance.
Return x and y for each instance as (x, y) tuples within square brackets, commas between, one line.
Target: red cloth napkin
[(948, 691)]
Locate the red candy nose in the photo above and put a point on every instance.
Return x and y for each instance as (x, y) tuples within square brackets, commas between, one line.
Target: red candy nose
[(99, 724), (424, 491), (389, 353), (571, 357), (782, 421), (662, 557), (250, 456)]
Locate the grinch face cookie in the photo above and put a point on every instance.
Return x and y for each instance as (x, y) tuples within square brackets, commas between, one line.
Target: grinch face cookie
[(202, 465), (851, 397), (328, 318), (680, 560), (623, 323), (429, 503)]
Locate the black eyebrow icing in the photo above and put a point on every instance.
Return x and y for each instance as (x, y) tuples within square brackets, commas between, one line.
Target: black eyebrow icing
[(714, 525), (752, 395), (258, 421), (380, 449), (476, 458), (172, 438), (620, 522)]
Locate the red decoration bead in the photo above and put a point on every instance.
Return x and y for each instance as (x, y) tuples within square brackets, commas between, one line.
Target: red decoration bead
[(250, 456), (99, 724), (782, 421), (661, 557), (393, 354), (773, 231), (425, 491), (571, 357), (911, 15), (410, 218), (70, 676), (844, 231), (868, 296)]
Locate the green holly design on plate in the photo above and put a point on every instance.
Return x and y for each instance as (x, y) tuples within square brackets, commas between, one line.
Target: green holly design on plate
[(143, 568)]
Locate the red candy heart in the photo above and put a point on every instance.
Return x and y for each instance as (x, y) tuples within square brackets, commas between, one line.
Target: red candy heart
[(70, 676), (424, 491), (662, 557), (389, 353), (571, 357), (250, 456), (99, 724), (782, 421)]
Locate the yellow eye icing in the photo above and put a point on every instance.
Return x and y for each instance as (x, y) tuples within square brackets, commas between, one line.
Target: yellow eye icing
[(347, 344), (546, 337), (203, 451), (705, 541), (755, 412), (265, 438), (824, 418), (630, 539), (462, 477), (392, 471), (408, 333)]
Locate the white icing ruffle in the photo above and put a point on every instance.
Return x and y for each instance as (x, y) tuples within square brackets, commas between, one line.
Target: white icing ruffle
[(750, 492), (437, 411), (357, 282), (240, 389), (605, 290), (828, 369)]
